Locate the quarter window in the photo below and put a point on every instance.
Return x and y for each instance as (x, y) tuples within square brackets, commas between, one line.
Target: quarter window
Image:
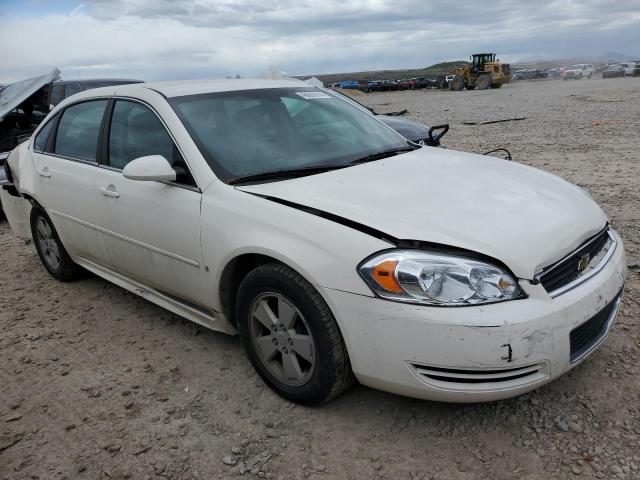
[(79, 130), (137, 132)]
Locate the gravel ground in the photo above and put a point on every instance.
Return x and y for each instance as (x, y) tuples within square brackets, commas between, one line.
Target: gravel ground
[(97, 383)]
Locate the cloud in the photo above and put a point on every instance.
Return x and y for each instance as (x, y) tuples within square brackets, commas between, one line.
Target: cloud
[(163, 39)]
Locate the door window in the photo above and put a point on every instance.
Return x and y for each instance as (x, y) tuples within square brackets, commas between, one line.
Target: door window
[(137, 132), (40, 143), (79, 130)]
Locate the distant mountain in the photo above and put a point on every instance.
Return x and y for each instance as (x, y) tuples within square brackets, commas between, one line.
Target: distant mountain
[(615, 56)]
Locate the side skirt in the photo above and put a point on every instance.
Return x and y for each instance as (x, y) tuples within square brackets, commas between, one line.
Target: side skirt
[(208, 319)]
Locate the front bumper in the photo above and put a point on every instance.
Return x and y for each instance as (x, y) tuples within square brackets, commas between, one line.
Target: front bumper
[(476, 353)]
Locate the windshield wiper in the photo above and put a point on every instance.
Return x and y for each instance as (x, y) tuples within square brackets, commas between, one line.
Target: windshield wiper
[(285, 173), (383, 154)]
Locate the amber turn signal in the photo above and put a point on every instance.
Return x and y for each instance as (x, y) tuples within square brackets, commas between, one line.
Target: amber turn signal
[(384, 274)]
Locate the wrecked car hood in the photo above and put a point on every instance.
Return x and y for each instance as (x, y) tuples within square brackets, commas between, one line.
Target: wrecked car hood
[(520, 215), (14, 94), (410, 130)]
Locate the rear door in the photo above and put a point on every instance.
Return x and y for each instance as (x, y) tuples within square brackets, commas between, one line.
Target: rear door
[(65, 155), (152, 228)]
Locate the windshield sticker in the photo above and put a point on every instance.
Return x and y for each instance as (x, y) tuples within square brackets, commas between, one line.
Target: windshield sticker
[(312, 95)]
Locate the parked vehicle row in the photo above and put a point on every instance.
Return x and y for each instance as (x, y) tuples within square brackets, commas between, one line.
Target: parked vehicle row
[(626, 69), (386, 85), (582, 70)]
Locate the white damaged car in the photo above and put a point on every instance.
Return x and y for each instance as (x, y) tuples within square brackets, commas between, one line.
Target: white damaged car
[(337, 249)]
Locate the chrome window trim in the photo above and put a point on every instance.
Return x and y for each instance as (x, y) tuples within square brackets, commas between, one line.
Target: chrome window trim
[(71, 159), (583, 278)]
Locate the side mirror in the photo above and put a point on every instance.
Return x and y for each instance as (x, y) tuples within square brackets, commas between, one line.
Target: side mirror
[(153, 168)]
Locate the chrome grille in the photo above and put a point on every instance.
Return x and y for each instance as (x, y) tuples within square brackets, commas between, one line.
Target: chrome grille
[(579, 265)]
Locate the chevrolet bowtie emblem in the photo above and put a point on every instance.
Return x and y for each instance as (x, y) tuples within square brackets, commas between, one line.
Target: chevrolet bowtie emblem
[(583, 263)]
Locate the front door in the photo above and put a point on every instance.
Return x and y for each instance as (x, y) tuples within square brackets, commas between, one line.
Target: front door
[(152, 229)]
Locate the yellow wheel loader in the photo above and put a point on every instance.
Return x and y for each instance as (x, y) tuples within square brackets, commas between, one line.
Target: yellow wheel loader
[(484, 72)]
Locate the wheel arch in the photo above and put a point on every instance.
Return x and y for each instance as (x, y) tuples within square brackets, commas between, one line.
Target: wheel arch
[(235, 270)]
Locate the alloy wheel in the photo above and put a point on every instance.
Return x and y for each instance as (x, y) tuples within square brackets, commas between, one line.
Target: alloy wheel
[(282, 339), (47, 243)]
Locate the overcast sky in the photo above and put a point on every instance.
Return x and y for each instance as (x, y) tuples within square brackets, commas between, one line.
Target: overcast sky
[(164, 39)]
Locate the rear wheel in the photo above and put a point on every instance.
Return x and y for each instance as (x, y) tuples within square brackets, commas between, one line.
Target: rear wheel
[(291, 336), (483, 81), (496, 85), (50, 249), (457, 84)]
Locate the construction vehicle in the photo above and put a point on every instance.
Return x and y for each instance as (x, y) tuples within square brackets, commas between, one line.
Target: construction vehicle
[(484, 72)]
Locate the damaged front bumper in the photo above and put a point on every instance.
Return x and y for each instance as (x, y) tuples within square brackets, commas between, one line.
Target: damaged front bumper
[(16, 208), (479, 353)]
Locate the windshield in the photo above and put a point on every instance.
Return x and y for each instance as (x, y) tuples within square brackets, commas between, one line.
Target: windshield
[(252, 132)]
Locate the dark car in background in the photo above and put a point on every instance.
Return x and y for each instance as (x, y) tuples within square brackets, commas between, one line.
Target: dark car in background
[(613, 71), (24, 104), (62, 89), (413, 131)]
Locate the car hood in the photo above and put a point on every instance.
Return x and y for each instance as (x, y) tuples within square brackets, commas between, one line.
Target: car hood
[(14, 94), (519, 215)]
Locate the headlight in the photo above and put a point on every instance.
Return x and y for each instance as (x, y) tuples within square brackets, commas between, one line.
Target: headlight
[(438, 279)]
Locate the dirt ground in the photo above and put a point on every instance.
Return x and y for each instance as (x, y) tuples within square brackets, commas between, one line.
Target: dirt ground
[(96, 383)]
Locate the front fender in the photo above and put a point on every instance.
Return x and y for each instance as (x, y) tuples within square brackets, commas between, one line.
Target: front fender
[(327, 254)]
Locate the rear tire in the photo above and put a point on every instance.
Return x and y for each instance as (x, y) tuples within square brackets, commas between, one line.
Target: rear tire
[(291, 337), (52, 253), (496, 85)]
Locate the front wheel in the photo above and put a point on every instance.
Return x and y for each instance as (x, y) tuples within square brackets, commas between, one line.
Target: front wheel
[(52, 253), (457, 84), (483, 82), (291, 336)]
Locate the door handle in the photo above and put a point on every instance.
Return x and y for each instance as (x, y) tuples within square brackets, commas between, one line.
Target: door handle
[(109, 191), (44, 172)]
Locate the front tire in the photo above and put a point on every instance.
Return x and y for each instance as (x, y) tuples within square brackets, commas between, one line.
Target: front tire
[(456, 84), (291, 336), (52, 253), (483, 81)]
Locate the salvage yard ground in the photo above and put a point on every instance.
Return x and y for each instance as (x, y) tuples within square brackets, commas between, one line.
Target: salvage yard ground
[(97, 383)]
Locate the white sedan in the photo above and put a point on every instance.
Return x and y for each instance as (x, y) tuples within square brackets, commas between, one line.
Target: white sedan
[(337, 249)]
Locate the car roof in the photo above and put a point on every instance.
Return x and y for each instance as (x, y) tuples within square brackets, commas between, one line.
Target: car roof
[(98, 80), (182, 88)]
